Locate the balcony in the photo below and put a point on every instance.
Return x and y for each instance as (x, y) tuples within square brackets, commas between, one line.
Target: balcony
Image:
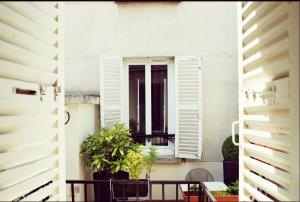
[(203, 193), (154, 139)]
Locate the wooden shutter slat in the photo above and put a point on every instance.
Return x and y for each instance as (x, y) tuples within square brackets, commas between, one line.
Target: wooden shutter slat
[(15, 123), (49, 8), (22, 140), (269, 171), (19, 174), (12, 107), (255, 194), (35, 15), (25, 187), (27, 155), (11, 70), (267, 55), (279, 142), (268, 72), (275, 34), (257, 14), (276, 158), (275, 17), (25, 57), (14, 19), (18, 38), (267, 186), (268, 109), (248, 8)]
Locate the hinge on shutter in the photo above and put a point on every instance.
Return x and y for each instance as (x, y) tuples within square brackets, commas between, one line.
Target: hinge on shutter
[(57, 91), (43, 89), (268, 95)]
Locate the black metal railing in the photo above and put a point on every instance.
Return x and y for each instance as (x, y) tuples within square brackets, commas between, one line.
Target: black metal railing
[(203, 194), (156, 139)]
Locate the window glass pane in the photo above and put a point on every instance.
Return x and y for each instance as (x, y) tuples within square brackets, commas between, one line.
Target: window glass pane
[(159, 102), (137, 100)]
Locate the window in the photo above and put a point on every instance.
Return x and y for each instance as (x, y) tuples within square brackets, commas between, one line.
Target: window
[(158, 98), (149, 96)]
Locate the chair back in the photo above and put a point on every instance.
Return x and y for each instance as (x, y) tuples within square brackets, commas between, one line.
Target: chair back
[(199, 174)]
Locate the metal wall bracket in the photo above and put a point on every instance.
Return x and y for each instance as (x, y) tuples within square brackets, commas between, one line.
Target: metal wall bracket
[(57, 92), (43, 90)]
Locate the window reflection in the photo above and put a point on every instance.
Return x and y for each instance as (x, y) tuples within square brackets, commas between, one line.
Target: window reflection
[(137, 99), (159, 102)]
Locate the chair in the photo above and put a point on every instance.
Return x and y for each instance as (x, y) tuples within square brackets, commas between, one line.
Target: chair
[(199, 174)]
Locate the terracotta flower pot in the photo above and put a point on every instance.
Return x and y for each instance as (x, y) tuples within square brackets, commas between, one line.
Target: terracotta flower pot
[(192, 198), (227, 198)]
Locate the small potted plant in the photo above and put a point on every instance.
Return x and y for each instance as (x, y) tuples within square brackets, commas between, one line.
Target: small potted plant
[(231, 160), (230, 195), (135, 162), (105, 153), (194, 193), (135, 165)]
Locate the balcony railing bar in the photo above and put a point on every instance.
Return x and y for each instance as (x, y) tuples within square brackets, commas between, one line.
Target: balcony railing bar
[(72, 191), (156, 139), (85, 192)]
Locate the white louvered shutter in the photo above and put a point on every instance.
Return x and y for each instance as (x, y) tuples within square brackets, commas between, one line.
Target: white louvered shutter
[(188, 102), (31, 102), (110, 90), (269, 100)]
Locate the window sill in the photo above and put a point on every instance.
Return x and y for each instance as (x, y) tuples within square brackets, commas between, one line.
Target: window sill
[(165, 154), (167, 159)]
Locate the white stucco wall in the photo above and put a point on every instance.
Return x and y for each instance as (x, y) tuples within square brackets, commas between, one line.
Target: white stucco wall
[(84, 120), (207, 29)]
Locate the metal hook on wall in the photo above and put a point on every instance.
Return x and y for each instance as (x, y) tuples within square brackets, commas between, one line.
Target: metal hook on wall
[(68, 119)]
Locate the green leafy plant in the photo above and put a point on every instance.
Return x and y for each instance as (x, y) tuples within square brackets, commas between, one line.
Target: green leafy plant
[(194, 189), (108, 149), (149, 159), (229, 150), (134, 163), (232, 189), (219, 193)]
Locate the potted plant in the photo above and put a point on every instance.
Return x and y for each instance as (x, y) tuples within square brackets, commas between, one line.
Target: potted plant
[(135, 162), (194, 193), (230, 195), (106, 153), (231, 161), (134, 165)]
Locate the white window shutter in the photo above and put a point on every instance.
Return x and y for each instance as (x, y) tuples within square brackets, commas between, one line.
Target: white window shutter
[(31, 101), (269, 100), (188, 107), (111, 90)]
